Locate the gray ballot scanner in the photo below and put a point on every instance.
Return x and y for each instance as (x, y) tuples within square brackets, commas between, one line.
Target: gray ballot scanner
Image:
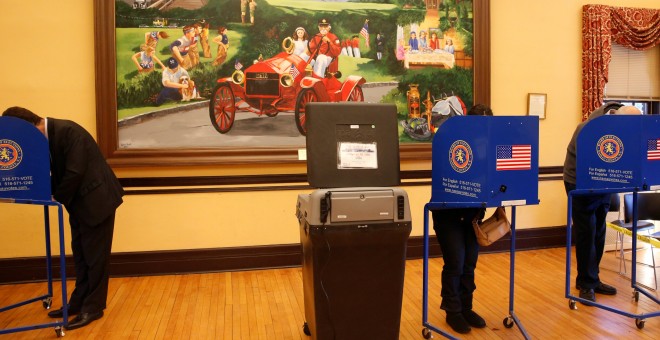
[(354, 235)]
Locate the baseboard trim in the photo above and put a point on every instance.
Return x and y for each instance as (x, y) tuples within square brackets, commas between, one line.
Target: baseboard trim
[(244, 258)]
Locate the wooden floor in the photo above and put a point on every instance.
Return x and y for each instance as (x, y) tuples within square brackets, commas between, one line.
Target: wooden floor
[(268, 304)]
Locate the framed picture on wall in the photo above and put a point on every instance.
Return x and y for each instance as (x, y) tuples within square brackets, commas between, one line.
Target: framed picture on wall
[(536, 104), (226, 82)]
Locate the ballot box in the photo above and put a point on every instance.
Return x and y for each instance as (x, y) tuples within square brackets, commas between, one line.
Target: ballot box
[(354, 229)]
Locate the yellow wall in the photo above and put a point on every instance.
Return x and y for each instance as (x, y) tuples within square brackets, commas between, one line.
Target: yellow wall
[(49, 66)]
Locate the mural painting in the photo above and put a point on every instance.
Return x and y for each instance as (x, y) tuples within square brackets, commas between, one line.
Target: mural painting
[(238, 73)]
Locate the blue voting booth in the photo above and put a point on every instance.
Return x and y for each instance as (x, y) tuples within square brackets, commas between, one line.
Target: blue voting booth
[(25, 179), (616, 153), (481, 161)]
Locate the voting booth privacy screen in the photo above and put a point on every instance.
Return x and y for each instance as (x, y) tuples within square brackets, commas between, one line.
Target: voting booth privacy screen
[(486, 160), (352, 144), (24, 161), (619, 151)]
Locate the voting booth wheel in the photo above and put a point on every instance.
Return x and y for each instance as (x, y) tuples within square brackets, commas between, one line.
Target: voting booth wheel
[(47, 302), (508, 322), (59, 331), (572, 304), (426, 333), (306, 329), (636, 295), (639, 323)]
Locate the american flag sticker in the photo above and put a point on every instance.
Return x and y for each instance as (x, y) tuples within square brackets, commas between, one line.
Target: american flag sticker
[(514, 157), (653, 150)]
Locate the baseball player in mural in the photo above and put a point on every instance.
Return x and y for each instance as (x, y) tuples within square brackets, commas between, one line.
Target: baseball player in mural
[(325, 46)]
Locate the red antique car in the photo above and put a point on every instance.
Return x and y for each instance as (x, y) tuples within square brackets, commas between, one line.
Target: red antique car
[(281, 83)]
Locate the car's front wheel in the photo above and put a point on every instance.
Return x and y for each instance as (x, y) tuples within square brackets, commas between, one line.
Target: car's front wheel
[(304, 97), (222, 108)]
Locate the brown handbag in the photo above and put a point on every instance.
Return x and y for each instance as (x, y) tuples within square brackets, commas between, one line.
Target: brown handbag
[(492, 228)]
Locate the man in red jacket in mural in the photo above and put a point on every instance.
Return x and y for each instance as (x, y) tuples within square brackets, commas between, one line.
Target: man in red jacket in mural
[(325, 46)]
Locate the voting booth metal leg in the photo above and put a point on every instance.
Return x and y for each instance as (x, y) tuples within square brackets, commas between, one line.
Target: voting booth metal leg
[(639, 318), (47, 298), (508, 321), (428, 327)]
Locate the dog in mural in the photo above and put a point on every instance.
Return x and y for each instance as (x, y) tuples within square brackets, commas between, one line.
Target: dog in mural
[(189, 92)]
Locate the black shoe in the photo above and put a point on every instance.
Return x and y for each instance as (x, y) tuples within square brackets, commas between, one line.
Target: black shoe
[(59, 313), (458, 323), (83, 319), (605, 289), (602, 288), (588, 294), (474, 319)]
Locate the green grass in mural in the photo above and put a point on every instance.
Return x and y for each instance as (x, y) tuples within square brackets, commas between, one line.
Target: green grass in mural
[(136, 111), (364, 67)]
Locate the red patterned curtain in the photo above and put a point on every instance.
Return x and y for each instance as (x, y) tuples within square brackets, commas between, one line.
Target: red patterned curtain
[(634, 28)]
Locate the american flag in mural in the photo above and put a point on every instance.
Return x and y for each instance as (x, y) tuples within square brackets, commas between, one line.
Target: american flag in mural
[(653, 149), (365, 32), (294, 71), (238, 65), (513, 157)]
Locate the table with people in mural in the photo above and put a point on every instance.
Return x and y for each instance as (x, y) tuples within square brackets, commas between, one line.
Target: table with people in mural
[(431, 51)]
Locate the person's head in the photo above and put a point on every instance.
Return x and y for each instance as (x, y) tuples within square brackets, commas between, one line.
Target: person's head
[(189, 31), (26, 115), (172, 64), (422, 34), (413, 34), (480, 110), (434, 35), (628, 110), (222, 30), (324, 26), (300, 34), (449, 42), (163, 35), (22, 113), (400, 42)]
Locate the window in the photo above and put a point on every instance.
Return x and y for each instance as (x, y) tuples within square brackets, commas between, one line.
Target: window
[(634, 78)]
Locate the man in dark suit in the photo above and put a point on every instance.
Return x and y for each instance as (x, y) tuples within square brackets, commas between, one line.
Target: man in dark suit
[(84, 183)]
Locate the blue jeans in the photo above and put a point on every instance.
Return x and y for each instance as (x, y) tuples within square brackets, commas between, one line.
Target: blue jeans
[(460, 251), (588, 214), (168, 93)]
